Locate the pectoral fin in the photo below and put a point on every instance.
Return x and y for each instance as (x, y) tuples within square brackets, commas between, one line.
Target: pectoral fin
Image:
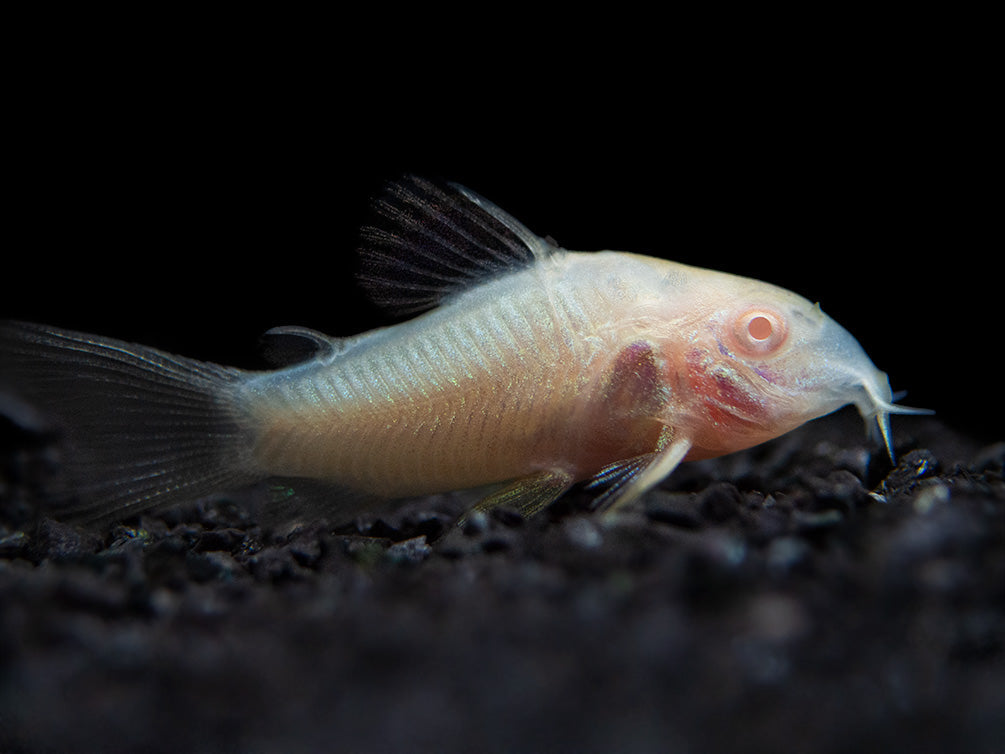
[(631, 478), (528, 495)]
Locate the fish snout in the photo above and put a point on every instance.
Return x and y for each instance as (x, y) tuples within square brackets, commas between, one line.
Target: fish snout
[(855, 379)]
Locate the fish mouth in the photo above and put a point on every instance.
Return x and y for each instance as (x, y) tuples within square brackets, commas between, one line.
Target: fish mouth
[(876, 405)]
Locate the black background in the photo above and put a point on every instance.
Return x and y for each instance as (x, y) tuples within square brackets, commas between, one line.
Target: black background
[(192, 206)]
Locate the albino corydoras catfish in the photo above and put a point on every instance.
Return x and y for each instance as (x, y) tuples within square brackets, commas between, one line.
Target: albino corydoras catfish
[(533, 369)]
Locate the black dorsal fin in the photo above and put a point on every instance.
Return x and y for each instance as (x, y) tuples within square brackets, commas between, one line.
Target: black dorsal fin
[(285, 346), (430, 240)]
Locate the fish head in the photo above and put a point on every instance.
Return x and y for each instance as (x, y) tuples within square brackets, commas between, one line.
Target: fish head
[(762, 360)]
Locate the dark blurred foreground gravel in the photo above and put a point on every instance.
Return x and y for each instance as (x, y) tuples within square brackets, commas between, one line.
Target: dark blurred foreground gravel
[(800, 597)]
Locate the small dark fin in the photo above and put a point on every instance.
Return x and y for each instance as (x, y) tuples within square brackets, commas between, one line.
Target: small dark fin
[(285, 346), (140, 429), (432, 240)]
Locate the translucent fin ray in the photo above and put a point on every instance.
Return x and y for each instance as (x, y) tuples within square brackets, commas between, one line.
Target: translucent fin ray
[(431, 240), (633, 477), (141, 429), (528, 495)]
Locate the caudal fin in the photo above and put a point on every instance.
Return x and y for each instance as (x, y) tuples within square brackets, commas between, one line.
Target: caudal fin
[(140, 429)]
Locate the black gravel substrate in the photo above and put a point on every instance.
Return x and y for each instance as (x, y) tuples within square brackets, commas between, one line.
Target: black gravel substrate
[(803, 596)]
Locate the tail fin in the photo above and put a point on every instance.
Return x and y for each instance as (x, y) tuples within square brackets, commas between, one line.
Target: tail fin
[(140, 429)]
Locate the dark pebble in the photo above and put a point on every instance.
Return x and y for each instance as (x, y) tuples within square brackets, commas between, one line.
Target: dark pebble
[(719, 502), (814, 521), (786, 554), (229, 540), (675, 509), (57, 541), (307, 548), (839, 489), (14, 544), (410, 551), (205, 566), (275, 564), (83, 590), (915, 465)]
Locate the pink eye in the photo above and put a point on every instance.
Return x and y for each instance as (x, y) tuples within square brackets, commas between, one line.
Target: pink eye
[(759, 332), (760, 328)]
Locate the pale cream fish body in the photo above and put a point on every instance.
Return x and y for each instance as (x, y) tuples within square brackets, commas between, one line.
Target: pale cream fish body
[(537, 368), (500, 383)]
